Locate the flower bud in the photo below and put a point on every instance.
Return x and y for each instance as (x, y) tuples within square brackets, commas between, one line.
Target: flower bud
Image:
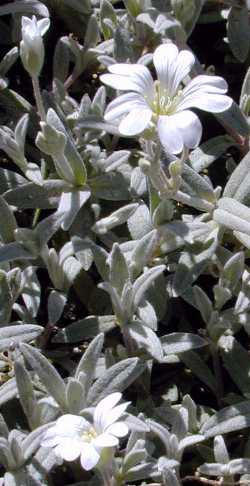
[(31, 46)]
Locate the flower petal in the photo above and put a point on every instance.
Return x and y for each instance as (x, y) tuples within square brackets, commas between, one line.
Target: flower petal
[(211, 84), (135, 122), (68, 449), (130, 77), (138, 73), (119, 429), (103, 407), (164, 59), (183, 66), (215, 103), (189, 126), (124, 104), (106, 440), (169, 134), (71, 425), (114, 414), (89, 456)]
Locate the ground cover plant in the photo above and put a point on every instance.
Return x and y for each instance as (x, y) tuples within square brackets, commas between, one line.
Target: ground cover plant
[(124, 242)]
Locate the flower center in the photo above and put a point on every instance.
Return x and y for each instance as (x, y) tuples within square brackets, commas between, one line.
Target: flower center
[(163, 104), (89, 435)]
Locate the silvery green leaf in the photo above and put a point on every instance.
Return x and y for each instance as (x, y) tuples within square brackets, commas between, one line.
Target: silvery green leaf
[(8, 60), (71, 152), (138, 182), (161, 432), (187, 12), (85, 329), (26, 394), (208, 152), (119, 272), (112, 187), (243, 299), (48, 227), (89, 359), (56, 304), (190, 440), (61, 69), (8, 391), (5, 454), (31, 290), (141, 471), (10, 180), (233, 215), (136, 424), (238, 32), (9, 226), (29, 195), (143, 283), (100, 257), (94, 122), (191, 407), (169, 478), (236, 361), (75, 395), (4, 431), (228, 419), (179, 342), (143, 252), (214, 469), (133, 458), (33, 440), (118, 217), (92, 34), (107, 12), (6, 299), (197, 184), (99, 102), (46, 372), (25, 7), (221, 296), (239, 466), (191, 264), (140, 223), (122, 45), (117, 300), (237, 184), (220, 451), (233, 270), (146, 339), (70, 204), (14, 334), (83, 252), (117, 378), (234, 118), (245, 89), (116, 159), (147, 314), (198, 366), (203, 303), (52, 142)]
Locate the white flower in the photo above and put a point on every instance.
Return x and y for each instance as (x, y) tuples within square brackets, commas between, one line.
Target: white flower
[(165, 102), (73, 436), (31, 46)]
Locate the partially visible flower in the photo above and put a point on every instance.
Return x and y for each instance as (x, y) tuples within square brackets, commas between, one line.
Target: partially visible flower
[(164, 103), (31, 46), (73, 436)]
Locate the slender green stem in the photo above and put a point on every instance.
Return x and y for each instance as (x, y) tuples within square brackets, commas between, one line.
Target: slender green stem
[(38, 98)]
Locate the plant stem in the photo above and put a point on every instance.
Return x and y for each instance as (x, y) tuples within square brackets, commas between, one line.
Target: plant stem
[(38, 98)]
